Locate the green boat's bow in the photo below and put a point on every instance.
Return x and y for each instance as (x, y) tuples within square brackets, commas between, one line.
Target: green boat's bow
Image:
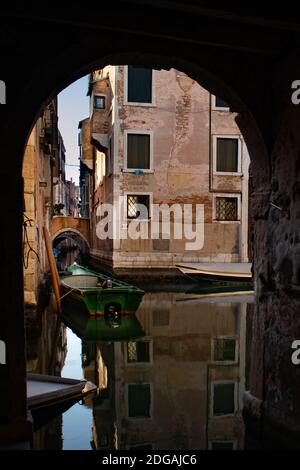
[(100, 294)]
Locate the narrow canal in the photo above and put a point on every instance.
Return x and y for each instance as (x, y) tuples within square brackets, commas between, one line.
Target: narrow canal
[(171, 377)]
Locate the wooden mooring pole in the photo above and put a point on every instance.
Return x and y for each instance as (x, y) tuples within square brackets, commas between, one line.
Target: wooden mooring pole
[(53, 269)]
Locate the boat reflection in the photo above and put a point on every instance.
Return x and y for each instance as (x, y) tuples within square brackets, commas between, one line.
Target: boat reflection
[(111, 327)]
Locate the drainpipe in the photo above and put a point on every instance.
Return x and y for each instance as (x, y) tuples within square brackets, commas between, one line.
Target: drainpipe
[(244, 205), (209, 147), (51, 188)]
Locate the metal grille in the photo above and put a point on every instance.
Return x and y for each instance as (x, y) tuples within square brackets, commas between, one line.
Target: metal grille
[(132, 351), (134, 209), (226, 208), (138, 351), (224, 349)]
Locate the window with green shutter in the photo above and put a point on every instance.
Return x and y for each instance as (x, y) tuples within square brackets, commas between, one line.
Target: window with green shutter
[(139, 400), (223, 399), (138, 151), (227, 155), (139, 85)]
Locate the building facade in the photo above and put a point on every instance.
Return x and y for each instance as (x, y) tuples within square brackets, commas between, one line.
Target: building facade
[(170, 159), (44, 183)]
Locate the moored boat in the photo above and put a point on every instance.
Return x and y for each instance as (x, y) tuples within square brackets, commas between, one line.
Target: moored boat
[(48, 390), (100, 294), (49, 396), (223, 273)]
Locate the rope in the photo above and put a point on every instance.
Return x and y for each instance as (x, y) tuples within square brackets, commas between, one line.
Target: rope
[(69, 292), (26, 241)]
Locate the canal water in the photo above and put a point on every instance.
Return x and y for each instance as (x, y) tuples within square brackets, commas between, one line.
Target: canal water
[(174, 379)]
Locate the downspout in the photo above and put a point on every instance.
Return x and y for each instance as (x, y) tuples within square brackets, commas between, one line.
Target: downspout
[(209, 147), (51, 188)]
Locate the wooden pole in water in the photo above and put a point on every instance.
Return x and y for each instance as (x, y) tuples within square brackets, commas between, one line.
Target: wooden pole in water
[(53, 269)]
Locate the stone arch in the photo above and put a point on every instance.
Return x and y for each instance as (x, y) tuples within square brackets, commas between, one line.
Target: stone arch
[(77, 225), (73, 246), (69, 57), (215, 81), (65, 231)]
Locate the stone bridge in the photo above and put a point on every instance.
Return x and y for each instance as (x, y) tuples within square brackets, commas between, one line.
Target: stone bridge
[(79, 225)]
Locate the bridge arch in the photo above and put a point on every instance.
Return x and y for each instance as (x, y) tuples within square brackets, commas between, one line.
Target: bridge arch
[(64, 224), (65, 233)]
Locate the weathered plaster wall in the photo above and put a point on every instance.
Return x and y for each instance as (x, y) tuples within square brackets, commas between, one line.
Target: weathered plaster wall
[(36, 170), (182, 139)]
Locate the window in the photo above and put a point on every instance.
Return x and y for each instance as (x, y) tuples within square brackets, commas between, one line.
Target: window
[(99, 102), (224, 349), (139, 85), (224, 396), (219, 103), (226, 208), (138, 151), (138, 351), (138, 206), (139, 400), (227, 158)]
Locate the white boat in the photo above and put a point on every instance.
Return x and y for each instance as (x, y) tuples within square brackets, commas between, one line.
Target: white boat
[(217, 272), (47, 390)]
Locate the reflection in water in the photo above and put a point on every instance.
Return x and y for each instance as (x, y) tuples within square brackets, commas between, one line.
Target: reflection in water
[(179, 386), (77, 421)]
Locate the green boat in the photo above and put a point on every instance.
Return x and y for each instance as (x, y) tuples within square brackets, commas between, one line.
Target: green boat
[(100, 294), (127, 328)]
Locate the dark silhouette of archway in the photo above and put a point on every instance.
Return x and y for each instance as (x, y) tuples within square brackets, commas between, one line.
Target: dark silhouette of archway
[(246, 56)]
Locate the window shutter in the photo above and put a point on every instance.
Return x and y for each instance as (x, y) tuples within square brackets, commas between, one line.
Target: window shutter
[(139, 400), (227, 155), (139, 85), (138, 151)]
